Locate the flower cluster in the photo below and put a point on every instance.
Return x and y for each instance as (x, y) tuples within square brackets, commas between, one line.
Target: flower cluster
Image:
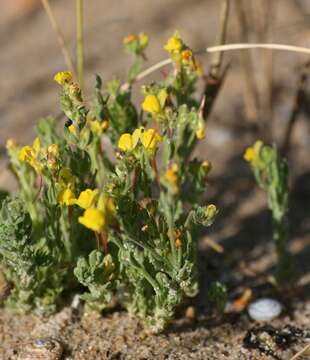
[(136, 43), (181, 54)]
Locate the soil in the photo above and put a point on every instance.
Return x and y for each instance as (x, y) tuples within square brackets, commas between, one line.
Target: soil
[(29, 58)]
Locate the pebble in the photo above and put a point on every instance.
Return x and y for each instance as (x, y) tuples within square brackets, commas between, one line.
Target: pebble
[(76, 301), (264, 309), (41, 349)]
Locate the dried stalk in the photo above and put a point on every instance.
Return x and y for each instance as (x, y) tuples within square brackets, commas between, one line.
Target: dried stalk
[(300, 99), (214, 79), (59, 34), (212, 88), (264, 30), (251, 94), (227, 47), (218, 56), (304, 352), (80, 41)]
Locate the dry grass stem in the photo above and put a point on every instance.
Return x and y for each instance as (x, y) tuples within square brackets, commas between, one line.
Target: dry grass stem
[(59, 34), (265, 21), (214, 245), (80, 41), (251, 94), (219, 48), (300, 99), (218, 56), (304, 352)]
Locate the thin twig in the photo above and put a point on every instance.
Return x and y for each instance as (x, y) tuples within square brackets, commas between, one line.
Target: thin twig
[(218, 56), (80, 41), (214, 245), (304, 351), (251, 94), (212, 88), (59, 34), (153, 68), (227, 47), (240, 46), (300, 98)]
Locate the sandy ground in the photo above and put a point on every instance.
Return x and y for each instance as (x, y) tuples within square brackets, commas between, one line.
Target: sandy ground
[(30, 57)]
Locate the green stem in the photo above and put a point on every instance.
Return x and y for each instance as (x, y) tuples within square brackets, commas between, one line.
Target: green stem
[(80, 41), (284, 269), (65, 231), (171, 236), (189, 220), (145, 274), (148, 248), (280, 236)]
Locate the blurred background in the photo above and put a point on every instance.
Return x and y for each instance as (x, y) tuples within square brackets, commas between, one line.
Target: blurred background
[(259, 90)]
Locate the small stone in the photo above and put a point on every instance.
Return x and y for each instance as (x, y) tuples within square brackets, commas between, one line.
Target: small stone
[(41, 349), (264, 309), (76, 302)]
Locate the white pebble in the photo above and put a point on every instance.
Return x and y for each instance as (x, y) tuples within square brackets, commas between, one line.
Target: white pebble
[(76, 301), (264, 309)]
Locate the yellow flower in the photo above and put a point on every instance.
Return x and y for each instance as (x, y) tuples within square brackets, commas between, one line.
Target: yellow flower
[(187, 55), (252, 153), (144, 40), (150, 139), (26, 153), (93, 219), (206, 166), (63, 77), (30, 155), (53, 150), (36, 146), (151, 104), (87, 198), (162, 97), (171, 174), (52, 156), (98, 127), (107, 206), (249, 154), (174, 44), (10, 144), (105, 124), (200, 133), (130, 38), (66, 197), (125, 142), (136, 136), (71, 129), (210, 211), (75, 93)]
